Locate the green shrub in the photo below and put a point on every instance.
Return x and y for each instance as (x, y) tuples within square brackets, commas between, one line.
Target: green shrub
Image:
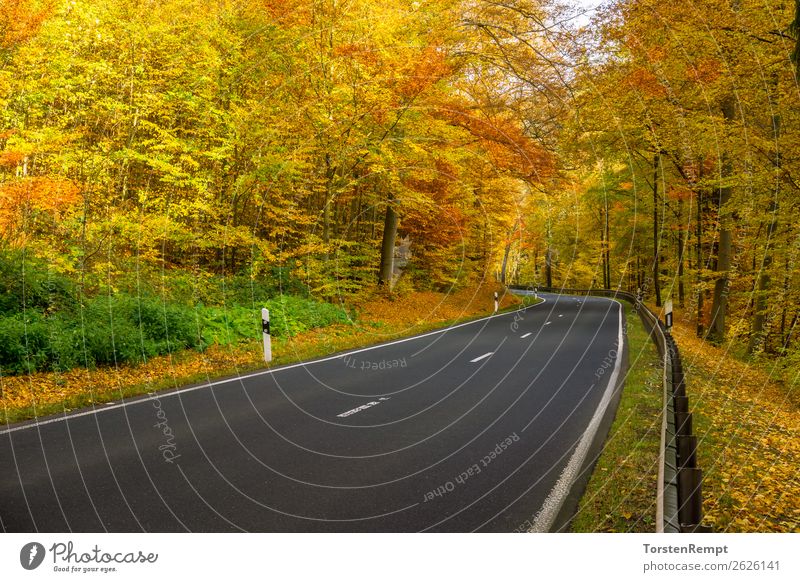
[(121, 328), (109, 330), (23, 343), (42, 326), (223, 326), (26, 283), (289, 315)]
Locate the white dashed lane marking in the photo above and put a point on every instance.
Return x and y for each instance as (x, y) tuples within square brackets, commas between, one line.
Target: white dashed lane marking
[(360, 408), (479, 358)]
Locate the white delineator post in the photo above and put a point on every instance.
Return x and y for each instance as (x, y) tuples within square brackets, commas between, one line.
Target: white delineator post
[(267, 336), (496, 302), (668, 314)]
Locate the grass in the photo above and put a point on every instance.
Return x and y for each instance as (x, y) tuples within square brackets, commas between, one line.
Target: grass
[(527, 300), (380, 319), (621, 493)]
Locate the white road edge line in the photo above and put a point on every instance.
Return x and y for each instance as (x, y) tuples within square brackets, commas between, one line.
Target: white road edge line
[(142, 398), (479, 358), (555, 499), (526, 335)]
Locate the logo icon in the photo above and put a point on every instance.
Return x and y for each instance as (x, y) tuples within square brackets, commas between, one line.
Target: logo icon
[(31, 555)]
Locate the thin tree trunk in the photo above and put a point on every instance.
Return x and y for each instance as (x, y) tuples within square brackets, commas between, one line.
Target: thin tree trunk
[(699, 261), (786, 276), (390, 223), (760, 307), (326, 209), (724, 248), (681, 243), (656, 283), (606, 255), (760, 304), (506, 253), (548, 257)]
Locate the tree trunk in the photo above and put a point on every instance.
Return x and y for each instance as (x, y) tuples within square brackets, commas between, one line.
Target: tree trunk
[(326, 209), (656, 283), (387, 245), (507, 252), (681, 243), (719, 305), (760, 307), (606, 255), (548, 256), (757, 335), (786, 278), (699, 260)]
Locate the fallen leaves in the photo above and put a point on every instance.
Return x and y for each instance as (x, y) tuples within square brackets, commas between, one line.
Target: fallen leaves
[(748, 429)]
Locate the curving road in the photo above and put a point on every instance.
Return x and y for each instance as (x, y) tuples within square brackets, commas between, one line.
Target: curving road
[(484, 426)]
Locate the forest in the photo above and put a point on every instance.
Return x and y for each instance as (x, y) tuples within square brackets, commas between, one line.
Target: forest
[(168, 166)]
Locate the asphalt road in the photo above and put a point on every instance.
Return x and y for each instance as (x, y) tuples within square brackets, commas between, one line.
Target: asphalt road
[(424, 434)]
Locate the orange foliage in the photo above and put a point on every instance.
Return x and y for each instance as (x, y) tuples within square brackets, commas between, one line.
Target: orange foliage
[(679, 193), (706, 70), (507, 145), (644, 80), (44, 194), (423, 72), (10, 159), (357, 51), (748, 422), (20, 19), (283, 12)]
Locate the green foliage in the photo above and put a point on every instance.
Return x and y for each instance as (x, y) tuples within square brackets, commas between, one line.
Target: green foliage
[(289, 315), (44, 327), (108, 330), (25, 282), (24, 343)]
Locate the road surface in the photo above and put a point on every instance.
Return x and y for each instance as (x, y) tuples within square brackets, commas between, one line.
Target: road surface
[(484, 426)]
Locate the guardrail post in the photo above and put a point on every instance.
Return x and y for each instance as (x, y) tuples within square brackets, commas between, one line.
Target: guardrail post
[(683, 423), (690, 512), (687, 452), (681, 404)]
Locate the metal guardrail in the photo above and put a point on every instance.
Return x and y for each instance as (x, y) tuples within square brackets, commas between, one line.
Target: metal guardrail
[(679, 506)]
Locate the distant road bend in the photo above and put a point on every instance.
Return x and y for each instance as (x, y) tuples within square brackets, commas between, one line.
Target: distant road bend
[(483, 426)]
